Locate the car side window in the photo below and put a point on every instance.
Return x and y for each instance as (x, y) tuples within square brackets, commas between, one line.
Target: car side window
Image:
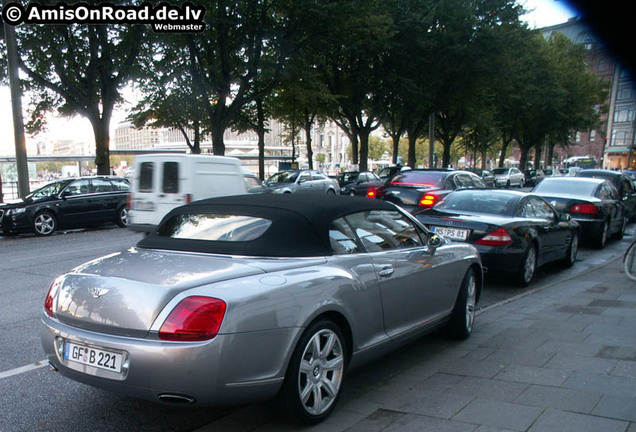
[(384, 230), (462, 181), (527, 210), (304, 177), (120, 184), (78, 187), (102, 186), (342, 238), (608, 192), (542, 209)]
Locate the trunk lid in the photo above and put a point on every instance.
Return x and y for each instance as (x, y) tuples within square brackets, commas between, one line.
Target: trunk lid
[(123, 293)]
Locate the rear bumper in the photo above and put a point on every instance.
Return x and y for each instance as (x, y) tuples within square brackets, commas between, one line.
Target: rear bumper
[(210, 373), (497, 261)]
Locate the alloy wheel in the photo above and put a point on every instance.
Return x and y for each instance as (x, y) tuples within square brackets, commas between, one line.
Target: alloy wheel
[(44, 224), (321, 371), (471, 300)]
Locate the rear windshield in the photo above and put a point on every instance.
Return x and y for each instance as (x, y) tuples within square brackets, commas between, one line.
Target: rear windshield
[(419, 178), (500, 171), (282, 178), (476, 202), (583, 188), (214, 227)]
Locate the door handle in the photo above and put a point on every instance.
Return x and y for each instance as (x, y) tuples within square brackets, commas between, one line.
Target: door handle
[(386, 271)]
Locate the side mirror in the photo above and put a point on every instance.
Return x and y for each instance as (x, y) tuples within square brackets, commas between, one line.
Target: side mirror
[(435, 241)]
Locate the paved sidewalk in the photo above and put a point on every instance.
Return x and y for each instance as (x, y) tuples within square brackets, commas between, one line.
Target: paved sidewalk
[(560, 358)]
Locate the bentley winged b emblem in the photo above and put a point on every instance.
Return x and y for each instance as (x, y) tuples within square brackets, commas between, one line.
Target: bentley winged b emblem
[(97, 292)]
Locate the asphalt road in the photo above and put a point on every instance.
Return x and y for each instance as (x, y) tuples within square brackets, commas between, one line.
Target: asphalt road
[(35, 399)]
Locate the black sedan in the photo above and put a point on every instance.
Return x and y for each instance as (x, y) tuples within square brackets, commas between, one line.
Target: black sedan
[(486, 176), (356, 183), (593, 203), (70, 202), (423, 188), (624, 183), (514, 232)]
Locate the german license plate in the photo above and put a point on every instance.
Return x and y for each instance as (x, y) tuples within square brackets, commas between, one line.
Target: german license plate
[(97, 357), (451, 233)]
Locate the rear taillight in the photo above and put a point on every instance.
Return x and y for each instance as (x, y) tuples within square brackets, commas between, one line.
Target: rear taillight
[(50, 301), (428, 200), (194, 319), (371, 193), (499, 237), (584, 209), (129, 201), (188, 198)]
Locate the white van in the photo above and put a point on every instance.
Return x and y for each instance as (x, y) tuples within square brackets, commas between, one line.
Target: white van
[(162, 182)]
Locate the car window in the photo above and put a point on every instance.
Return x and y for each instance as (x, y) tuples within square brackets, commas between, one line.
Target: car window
[(146, 171), (608, 192), (419, 178), (101, 186), (214, 227), (628, 186), (282, 178), (541, 208), (342, 238), (317, 176), (384, 230), (170, 177), (526, 209), (120, 185), (463, 181), (304, 177), (78, 187)]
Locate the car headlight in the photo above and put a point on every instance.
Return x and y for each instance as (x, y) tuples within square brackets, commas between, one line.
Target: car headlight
[(16, 211)]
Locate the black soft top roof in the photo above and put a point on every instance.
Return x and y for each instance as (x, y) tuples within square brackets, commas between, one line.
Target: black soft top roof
[(300, 224)]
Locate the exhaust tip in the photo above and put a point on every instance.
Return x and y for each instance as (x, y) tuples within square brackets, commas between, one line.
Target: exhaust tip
[(175, 399)]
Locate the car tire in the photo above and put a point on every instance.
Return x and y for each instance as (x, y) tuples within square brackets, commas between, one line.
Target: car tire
[(621, 232), (352, 193), (528, 266), (462, 319), (315, 373), (573, 248), (601, 238), (507, 184), (331, 192), (122, 217), (44, 223)]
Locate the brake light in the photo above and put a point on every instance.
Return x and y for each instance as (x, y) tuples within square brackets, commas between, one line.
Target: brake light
[(499, 237), (195, 318), (49, 302), (428, 200), (371, 193), (188, 198), (129, 201), (584, 209)]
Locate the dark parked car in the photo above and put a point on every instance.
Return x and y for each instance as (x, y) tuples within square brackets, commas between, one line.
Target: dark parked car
[(486, 176), (302, 182), (422, 188), (533, 177), (359, 183), (593, 203), (68, 203), (623, 182), (514, 232), (242, 298)]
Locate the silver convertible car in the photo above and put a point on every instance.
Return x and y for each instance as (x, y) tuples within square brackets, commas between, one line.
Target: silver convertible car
[(241, 298)]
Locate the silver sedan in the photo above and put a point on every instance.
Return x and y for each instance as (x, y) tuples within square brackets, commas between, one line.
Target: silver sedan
[(302, 182), (240, 298)]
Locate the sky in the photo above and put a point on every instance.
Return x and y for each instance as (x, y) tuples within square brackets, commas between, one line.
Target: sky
[(543, 13)]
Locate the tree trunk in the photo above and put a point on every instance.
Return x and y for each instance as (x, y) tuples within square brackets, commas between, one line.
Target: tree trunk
[(396, 148), (537, 156), (101, 131), (310, 150), (523, 157), (364, 149), (446, 154), (218, 145), (260, 115), (196, 147)]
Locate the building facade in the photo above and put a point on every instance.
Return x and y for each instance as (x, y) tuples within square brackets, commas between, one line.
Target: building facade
[(613, 141)]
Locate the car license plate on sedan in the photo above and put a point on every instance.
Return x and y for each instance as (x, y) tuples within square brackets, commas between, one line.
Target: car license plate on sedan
[(90, 356), (451, 233)]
